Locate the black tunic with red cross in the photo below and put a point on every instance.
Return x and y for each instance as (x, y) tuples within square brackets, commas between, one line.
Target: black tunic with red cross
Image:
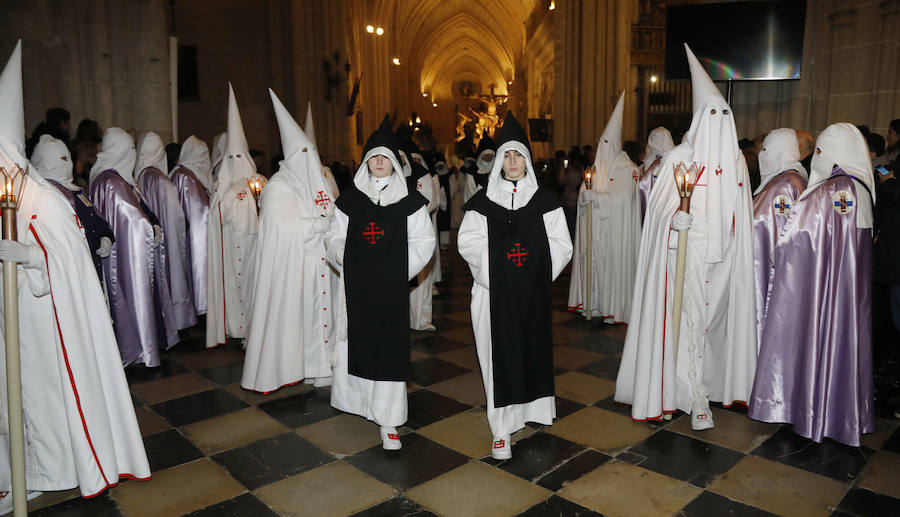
[(376, 270), (521, 281)]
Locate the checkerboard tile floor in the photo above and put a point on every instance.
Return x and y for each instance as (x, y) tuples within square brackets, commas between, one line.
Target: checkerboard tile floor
[(216, 449)]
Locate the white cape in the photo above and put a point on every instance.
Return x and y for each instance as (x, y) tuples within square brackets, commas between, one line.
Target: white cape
[(615, 241), (80, 426)]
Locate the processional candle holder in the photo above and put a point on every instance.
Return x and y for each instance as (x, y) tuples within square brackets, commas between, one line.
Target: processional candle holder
[(8, 211), (685, 179), (256, 185), (589, 174)]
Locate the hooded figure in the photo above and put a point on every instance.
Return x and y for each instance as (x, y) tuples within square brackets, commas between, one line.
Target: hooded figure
[(291, 315), (418, 177), (616, 229), (457, 193), (161, 195), (783, 179), (815, 358), (80, 428), (516, 242), (52, 161), (218, 153), (135, 273), (442, 217), (232, 231), (192, 177), (659, 142), (477, 173), (380, 237), (716, 356), (309, 129)]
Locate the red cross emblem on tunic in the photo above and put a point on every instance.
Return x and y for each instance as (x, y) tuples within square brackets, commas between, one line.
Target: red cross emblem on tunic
[(241, 195), (718, 171), (517, 255), (322, 200), (373, 233), (418, 185), (635, 175)]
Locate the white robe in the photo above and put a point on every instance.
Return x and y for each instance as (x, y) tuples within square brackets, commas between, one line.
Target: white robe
[(473, 246), (383, 402), (291, 312), (420, 296), (615, 242), (718, 324), (232, 232), (80, 426)]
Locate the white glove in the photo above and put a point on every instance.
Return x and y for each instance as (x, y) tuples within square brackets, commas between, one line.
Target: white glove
[(320, 224), (681, 221), (28, 255), (157, 235), (105, 247), (585, 197)]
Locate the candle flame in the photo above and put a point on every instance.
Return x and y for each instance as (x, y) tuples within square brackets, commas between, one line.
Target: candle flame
[(8, 188)]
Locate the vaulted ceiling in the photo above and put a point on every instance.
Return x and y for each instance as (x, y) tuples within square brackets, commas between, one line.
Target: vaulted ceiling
[(443, 41)]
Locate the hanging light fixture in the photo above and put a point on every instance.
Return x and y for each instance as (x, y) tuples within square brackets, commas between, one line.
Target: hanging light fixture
[(396, 61), (379, 31), (552, 5), (370, 29)]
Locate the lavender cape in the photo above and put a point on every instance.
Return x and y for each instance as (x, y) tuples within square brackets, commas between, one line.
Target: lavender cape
[(135, 273), (163, 199), (195, 203), (815, 362), (645, 184), (93, 225), (771, 208)]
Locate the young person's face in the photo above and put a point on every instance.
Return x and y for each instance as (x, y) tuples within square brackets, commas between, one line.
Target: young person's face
[(380, 166), (513, 165)]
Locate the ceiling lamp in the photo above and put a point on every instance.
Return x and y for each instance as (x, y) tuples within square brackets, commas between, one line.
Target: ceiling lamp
[(370, 29), (379, 31), (552, 5), (396, 61)]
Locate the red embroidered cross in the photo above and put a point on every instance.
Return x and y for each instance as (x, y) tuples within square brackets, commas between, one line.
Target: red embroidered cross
[(418, 185), (241, 195), (718, 171), (499, 444), (322, 199), (373, 233), (517, 254), (635, 175), (393, 436)]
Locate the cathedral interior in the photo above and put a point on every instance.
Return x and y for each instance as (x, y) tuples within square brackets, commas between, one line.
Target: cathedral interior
[(449, 69)]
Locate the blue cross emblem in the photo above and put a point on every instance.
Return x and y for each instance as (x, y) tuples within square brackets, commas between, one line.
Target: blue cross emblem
[(843, 203)]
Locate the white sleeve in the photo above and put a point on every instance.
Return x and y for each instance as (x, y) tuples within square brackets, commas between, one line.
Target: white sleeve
[(423, 186), (335, 238), (469, 188), (558, 239), (472, 242), (421, 240), (435, 200)]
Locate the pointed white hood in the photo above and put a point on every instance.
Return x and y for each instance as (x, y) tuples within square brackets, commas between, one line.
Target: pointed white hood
[(308, 127), (607, 160), (712, 138), (12, 113), (659, 142), (780, 152), (51, 159), (195, 156), (236, 163), (843, 145), (301, 166), (151, 152), (116, 152)]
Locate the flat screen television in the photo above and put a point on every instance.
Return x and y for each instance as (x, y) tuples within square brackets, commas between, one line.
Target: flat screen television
[(761, 40)]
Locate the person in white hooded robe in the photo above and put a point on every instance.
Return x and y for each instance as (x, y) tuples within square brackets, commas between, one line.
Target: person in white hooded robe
[(192, 177), (782, 180), (615, 232), (291, 318), (515, 239), (53, 162), (477, 174), (659, 142), (151, 174), (716, 357), (79, 422), (232, 231), (217, 153), (379, 238)]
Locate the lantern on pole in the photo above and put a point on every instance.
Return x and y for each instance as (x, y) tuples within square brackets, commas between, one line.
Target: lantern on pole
[(589, 173)]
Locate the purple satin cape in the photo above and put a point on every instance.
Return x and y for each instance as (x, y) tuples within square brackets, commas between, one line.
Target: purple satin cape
[(769, 217), (645, 184), (135, 273), (161, 196), (195, 202), (815, 361)]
